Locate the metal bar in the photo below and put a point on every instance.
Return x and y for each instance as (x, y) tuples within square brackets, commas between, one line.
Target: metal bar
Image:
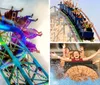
[(34, 74), (42, 83), (39, 80), (73, 27), (12, 73), (37, 73), (34, 60), (93, 26), (16, 62), (6, 79), (17, 77)]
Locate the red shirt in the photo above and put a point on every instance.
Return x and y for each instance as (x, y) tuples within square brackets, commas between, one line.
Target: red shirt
[(75, 60)]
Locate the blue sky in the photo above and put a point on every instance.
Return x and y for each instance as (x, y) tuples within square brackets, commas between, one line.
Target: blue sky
[(91, 9)]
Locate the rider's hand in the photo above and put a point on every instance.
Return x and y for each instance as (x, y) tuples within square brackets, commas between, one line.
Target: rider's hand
[(36, 19), (59, 57), (98, 51), (37, 51), (53, 54)]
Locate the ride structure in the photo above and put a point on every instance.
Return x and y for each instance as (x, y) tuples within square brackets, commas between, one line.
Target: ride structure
[(71, 24), (18, 66)]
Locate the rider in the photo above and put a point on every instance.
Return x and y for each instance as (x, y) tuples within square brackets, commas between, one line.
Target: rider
[(82, 53), (66, 54), (8, 14), (77, 57), (12, 14), (88, 26)]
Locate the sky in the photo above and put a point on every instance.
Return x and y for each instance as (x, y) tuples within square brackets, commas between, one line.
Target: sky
[(40, 9), (90, 7)]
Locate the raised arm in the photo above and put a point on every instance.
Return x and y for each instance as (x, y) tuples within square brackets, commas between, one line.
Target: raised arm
[(64, 59), (97, 61), (64, 49), (92, 56), (54, 55)]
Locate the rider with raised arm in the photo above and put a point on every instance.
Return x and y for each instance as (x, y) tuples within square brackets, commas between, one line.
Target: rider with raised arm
[(77, 57), (66, 54), (82, 52)]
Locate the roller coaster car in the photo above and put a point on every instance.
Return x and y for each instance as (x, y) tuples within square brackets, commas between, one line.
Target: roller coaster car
[(84, 35), (12, 16), (6, 19), (84, 63), (68, 65)]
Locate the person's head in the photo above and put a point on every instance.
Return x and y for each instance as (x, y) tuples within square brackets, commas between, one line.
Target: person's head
[(71, 56), (80, 15), (87, 23), (76, 54), (67, 50), (61, 2), (81, 48), (84, 19), (76, 8), (90, 25), (82, 51)]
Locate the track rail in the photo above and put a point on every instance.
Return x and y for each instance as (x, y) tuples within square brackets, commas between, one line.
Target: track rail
[(70, 24), (19, 65)]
